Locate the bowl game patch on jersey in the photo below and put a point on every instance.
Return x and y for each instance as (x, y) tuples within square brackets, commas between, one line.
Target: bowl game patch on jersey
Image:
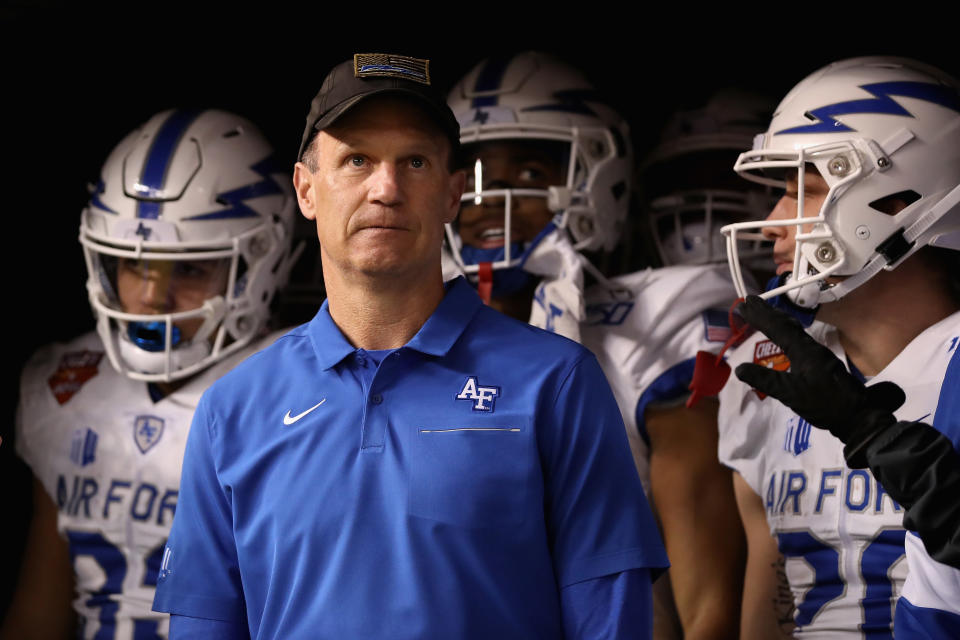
[(75, 369), (768, 353)]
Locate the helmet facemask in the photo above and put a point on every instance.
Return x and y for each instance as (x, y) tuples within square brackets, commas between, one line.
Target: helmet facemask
[(167, 310), (685, 226), (884, 135), (850, 211), (533, 99)]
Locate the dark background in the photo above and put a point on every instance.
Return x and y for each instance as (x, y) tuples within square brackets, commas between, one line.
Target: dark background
[(76, 80)]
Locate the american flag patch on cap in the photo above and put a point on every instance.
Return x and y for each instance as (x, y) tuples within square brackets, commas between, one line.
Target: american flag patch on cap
[(387, 65)]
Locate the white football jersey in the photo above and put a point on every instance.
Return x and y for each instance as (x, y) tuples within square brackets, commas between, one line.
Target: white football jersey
[(841, 534), (110, 458), (645, 332)]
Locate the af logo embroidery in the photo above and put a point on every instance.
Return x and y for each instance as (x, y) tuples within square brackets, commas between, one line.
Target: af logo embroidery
[(483, 397), (147, 431), (768, 354), (75, 369), (797, 439)]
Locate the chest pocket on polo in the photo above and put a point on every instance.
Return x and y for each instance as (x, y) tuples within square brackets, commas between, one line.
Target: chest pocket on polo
[(475, 473)]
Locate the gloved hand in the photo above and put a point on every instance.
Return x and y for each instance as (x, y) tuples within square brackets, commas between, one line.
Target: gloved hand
[(818, 387)]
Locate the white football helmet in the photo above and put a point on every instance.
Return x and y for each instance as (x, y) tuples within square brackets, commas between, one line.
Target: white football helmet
[(875, 129), (190, 210), (685, 186), (533, 98)]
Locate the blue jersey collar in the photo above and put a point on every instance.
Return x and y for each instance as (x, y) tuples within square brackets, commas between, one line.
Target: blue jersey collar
[(438, 334)]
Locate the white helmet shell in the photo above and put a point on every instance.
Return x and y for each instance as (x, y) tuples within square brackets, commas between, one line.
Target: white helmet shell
[(533, 96), (688, 192), (189, 186), (874, 128)]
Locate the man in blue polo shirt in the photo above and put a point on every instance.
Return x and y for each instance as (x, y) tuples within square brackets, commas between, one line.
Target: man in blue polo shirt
[(410, 464)]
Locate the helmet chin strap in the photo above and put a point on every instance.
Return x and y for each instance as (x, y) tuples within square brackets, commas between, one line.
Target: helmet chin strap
[(155, 362), (485, 281)]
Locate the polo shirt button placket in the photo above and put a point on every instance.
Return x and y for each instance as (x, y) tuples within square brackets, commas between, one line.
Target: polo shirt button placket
[(376, 398)]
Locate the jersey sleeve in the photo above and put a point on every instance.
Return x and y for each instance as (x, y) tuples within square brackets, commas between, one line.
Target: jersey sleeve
[(929, 606), (742, 422), (598, 519), (30, 442), (200, 576)]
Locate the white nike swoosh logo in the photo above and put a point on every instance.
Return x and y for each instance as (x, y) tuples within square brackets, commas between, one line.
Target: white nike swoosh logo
[(288, 420)]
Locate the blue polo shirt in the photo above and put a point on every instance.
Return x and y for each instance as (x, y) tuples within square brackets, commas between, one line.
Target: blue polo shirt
[(452, 490)]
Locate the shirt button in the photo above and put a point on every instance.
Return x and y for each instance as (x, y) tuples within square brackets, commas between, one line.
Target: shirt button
[(376, 398)]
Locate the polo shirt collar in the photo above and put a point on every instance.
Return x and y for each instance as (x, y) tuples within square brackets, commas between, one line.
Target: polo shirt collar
[(438, 334)]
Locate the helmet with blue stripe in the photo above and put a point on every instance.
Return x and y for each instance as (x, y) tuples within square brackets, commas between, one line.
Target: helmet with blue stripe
[(570, 162), (186, 237), (686, 187), (883, 134)]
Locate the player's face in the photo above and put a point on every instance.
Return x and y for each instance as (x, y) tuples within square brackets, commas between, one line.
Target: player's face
[(511, 164), (382, 190), (168, 286), (815, 192)]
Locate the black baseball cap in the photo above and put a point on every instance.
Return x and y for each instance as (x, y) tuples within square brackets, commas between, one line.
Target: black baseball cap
[(370, 74)]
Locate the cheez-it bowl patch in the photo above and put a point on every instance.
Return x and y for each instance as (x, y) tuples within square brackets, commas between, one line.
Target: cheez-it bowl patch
[(768, 354)]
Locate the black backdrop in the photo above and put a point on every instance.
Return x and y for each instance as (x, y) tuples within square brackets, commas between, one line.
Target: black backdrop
[(76, 80)]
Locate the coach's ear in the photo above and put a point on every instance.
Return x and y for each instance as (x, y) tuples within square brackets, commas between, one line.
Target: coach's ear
[(458, 182), (303, 180)]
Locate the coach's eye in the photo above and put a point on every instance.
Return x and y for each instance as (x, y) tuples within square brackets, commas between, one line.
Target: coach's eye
[(357, 161)]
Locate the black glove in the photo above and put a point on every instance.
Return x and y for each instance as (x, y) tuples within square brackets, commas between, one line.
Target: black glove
[(817, 387)]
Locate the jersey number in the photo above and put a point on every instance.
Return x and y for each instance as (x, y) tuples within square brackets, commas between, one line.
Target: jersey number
[(878, 557), (113, 564)]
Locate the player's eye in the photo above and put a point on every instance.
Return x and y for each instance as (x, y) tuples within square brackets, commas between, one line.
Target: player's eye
[(133, 265), (417, 163), (190, 270), (531, 173)]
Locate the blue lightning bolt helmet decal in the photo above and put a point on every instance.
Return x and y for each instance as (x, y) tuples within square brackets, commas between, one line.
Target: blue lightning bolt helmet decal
[(236, 197), (95, 200), (882, 102)]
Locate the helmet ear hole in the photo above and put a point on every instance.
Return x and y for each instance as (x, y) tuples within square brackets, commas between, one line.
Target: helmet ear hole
[(895, 202)]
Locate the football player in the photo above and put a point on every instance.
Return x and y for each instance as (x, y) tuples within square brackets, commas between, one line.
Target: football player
[(868, 151), (549, 171), (186, 238)]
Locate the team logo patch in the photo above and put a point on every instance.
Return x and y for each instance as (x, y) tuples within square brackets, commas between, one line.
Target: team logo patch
[(716, 325), (797, 439), (609, 313), (550, 310), (391, 66), (147, 431), (75, 369), (483, 397), (165, 564), (769, 354), (83, 447)]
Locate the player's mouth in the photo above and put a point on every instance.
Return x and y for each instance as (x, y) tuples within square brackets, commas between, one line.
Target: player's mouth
[(492, 238)]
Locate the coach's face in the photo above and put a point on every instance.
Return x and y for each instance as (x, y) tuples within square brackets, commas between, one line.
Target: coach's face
[(381, 190)]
